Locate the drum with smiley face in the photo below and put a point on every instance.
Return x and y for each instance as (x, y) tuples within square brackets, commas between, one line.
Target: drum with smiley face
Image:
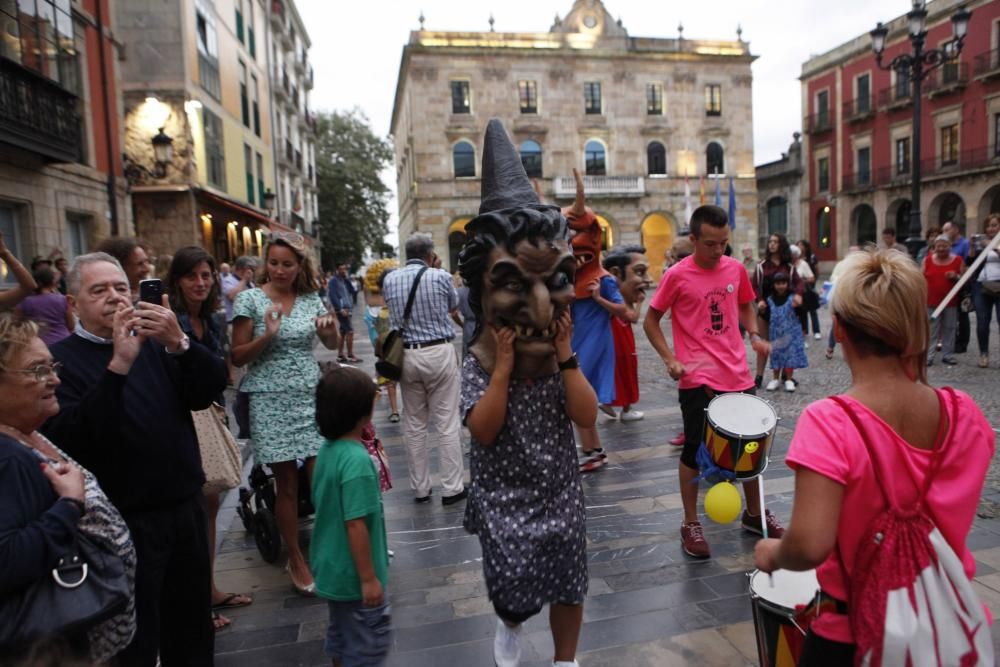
[(739, 429)]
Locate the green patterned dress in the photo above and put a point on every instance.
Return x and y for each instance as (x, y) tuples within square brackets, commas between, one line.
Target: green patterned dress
[(282, 380)]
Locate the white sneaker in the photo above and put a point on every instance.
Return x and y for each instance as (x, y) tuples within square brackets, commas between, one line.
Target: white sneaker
[(818, 336), (507, 645), (566, 663), (789, 386), (773, 384), (631, 416)]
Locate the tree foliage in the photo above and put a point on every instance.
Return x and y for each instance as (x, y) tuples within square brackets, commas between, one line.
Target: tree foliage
[(353, 199)]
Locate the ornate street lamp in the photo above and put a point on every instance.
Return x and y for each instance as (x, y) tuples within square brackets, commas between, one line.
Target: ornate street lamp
[(916, 66), (163, 153)]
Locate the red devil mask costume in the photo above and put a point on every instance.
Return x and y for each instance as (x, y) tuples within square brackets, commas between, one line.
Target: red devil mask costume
[(586, 242)]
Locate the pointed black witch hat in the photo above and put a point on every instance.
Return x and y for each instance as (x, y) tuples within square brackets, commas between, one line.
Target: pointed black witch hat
[(505, 184)]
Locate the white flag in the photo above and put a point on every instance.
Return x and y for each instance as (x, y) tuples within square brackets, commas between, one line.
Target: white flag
[(687, 204)]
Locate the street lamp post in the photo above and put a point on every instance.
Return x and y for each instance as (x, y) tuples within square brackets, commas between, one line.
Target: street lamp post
[(916, 66)]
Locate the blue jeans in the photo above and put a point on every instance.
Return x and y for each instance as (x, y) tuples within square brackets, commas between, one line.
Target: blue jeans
[(985, 306), (358, 636)]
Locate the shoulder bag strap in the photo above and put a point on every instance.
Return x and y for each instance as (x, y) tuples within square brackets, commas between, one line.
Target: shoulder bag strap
[(409, 299)]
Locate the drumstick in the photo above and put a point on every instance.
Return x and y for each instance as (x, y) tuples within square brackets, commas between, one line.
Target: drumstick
[(763, 516), (969, 272)]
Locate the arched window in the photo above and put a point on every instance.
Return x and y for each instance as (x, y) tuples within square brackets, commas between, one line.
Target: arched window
[(714, 162), (656, 159), (531, 158), (464, 157), (594, 158)]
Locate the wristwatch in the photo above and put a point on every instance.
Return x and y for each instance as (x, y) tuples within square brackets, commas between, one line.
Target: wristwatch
[(184, 346), (570, 363)]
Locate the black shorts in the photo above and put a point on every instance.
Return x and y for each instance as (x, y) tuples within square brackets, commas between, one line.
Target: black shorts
[(345, 323), (694, 402)]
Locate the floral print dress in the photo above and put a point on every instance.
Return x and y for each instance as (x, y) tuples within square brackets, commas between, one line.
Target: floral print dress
[(526, 500)]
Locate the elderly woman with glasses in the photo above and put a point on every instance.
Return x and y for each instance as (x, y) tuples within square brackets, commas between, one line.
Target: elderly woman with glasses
[(46, 498), (274, 329)]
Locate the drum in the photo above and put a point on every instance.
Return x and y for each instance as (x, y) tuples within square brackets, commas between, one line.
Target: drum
[(739, 429), (773, 600)]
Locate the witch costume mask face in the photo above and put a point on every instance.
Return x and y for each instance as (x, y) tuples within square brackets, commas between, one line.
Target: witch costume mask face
[(517, 262)]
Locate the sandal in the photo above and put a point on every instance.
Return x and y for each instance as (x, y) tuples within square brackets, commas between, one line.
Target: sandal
[(394, 418), (233, 600), (220, 622)]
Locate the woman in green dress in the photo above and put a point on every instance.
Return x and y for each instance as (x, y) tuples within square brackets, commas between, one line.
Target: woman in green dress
[(274, 328)]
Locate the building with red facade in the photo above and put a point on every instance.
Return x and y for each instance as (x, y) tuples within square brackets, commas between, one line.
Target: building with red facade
[(61, 184), (858, 133)]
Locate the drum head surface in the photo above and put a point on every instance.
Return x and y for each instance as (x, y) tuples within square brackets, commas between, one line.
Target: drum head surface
[(742, 414), (789, 589)]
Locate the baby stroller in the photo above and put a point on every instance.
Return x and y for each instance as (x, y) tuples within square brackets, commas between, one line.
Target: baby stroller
[(256, 508)]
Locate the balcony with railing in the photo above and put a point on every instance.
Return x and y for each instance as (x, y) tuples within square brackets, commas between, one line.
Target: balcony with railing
[(859, 109), (987, 65), (949, 78), (973, 159), (37, 115), (298, 160), (598, 187), (300, 62), (818, 122), (309, 78), (895, 97), (278, 15), (289, 152)]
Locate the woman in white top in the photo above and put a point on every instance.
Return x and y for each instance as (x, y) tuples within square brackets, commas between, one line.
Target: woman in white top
[(986, 290)]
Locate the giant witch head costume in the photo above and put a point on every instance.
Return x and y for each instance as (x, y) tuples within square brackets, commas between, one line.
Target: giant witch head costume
[(586, 241), (516, 260)]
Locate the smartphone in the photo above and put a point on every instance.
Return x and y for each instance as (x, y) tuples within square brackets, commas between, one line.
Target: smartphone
[(151, 291)]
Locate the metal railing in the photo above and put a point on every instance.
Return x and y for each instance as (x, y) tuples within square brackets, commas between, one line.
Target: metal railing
[(38, 115), (602, 186), (983, 157), (948, 78), (987, 64), (859, 108), (820, 121), (895, 96)]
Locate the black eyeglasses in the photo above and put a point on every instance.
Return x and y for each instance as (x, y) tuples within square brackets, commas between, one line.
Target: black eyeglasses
[(41, 372)]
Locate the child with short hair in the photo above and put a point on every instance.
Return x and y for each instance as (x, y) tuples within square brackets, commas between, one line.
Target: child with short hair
[(788, 349), (348, 554)]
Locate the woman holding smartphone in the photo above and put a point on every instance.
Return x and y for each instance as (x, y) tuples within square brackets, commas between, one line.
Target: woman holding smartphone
[(274, 328), (194, 293)]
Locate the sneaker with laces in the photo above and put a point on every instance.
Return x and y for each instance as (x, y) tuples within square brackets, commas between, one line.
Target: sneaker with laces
[(773, 384), (693, 540), (817, 336), (789, 385), (507, 645), (753, 524), (631, 416), (592, 460)]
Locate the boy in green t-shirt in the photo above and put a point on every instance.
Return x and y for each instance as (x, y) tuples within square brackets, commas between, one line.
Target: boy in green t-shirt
[(348, 554)]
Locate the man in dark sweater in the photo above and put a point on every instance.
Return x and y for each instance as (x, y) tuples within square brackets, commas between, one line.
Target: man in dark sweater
[(129, 381)]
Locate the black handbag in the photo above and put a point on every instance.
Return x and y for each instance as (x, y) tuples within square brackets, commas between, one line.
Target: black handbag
[(88, 585), (389, 346)]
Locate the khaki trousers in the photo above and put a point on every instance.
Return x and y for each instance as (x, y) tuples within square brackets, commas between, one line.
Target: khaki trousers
[(430, 385)]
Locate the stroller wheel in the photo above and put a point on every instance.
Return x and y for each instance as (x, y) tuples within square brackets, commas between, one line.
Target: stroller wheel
[(245, 511), (266, 535)]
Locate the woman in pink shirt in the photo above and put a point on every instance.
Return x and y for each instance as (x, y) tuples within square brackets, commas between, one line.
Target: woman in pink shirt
[(879, 317)]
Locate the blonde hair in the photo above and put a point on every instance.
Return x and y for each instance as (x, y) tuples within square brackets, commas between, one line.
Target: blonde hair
[(305, 282), (16, 335), (881, 301)]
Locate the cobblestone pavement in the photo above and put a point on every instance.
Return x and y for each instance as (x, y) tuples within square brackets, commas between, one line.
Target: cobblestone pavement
[(648, 604)]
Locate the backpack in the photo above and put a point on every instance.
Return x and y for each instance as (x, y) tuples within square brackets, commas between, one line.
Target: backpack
[(910, 600)]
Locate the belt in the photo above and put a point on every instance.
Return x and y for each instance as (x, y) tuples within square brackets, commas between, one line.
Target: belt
[(417, 346)]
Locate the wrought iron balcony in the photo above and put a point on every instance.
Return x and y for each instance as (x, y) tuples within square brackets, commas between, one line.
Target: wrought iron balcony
[(601, 186), (949, 78), (38, 115), (987, 65), (858, 109), (895, 97), (818, 122)]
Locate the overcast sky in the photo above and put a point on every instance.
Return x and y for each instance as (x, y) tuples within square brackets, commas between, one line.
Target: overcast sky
[(357, 45)]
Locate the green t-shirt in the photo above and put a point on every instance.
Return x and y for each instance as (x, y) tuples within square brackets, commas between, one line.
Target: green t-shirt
[(345, 487)]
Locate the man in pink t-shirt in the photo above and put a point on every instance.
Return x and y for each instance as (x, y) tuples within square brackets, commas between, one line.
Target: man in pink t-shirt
[(709, 296)]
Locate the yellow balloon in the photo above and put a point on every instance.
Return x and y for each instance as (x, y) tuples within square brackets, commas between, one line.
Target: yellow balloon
[(723, 503)]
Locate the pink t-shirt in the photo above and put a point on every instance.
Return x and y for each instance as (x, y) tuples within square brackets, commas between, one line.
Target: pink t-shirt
[(704, 307), (826, 442)]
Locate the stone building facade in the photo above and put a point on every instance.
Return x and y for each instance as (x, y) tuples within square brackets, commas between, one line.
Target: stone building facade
[(779, 191), (199, 73), (61, 185), (637, 115), (858, 134)]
